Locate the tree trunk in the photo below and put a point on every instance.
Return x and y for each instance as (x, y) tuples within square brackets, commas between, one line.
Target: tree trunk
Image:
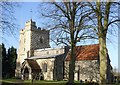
[(72, 64), (73, 44), (103, 60), (102, 45)]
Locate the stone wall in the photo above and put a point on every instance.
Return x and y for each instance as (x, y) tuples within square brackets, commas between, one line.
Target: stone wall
[(59, 67), (84, 70), (50, 66), (24, 47), (39, 39), (54, 57), (49, 51)]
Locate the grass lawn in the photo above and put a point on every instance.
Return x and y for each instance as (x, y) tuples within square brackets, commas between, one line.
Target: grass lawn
[(29, 82), (37, 82)]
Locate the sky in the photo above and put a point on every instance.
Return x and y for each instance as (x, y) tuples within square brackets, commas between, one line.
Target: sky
[(24, 14)]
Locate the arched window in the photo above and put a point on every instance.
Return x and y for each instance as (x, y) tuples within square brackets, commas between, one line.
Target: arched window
[(41, 39), (44, 67)]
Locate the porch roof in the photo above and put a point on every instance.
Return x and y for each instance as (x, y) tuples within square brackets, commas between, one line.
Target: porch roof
[(33, 64)]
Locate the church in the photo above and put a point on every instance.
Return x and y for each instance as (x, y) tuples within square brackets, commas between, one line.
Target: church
[(37, 60)]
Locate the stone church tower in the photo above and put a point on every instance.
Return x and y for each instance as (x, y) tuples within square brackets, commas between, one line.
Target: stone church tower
[(31, 38)]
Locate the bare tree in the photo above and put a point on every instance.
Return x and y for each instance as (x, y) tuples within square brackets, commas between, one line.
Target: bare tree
[(105, 14), (68, 22), (7, 18)]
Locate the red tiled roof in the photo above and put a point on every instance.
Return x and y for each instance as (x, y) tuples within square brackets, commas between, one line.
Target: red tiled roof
[(87, 52)]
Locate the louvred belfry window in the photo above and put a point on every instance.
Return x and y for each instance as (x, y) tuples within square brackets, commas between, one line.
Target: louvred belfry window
[(41, 39)]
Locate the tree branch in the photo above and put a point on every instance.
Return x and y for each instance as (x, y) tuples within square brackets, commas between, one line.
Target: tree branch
[(118, 20)]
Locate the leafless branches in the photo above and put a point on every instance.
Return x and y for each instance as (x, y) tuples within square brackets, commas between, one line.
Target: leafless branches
[(61, 15), (7, 18)]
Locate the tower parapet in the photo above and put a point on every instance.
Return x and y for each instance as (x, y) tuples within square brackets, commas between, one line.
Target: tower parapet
[(30, 22)]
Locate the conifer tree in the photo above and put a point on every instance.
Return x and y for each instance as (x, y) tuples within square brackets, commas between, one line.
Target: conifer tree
[(12, 56), (4, 59)]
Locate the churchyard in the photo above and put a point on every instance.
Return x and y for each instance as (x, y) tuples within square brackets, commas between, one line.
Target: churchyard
[(42, 82)]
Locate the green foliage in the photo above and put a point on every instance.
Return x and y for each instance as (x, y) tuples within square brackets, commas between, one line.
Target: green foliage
[(4, 61), (12, 56), (8, 62), (0, 53)]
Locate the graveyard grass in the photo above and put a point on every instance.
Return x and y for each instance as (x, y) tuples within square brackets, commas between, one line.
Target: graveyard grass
[(39, 82)]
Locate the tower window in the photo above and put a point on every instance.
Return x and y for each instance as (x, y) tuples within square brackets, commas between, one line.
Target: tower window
[(44, 67), (41, 39)]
